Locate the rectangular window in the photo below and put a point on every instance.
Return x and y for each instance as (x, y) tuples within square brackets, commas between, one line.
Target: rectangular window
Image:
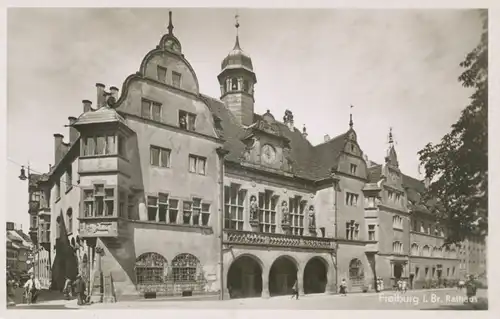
[(110, 202), (371, 232), (197, 164), (176, 79), (130, 206), (187, 120), (34, 221), (397, 222), (151, 110), (426, 272), (121, 146), (297, 207), (152, 208), (173, 211), (353, 169), (267, 212), (351, 199), (102, 145), (161, 73), (417, 270), (162, 207), (205, 214), (159, 156), (196, 211), (234, 201), (88, 203), (352, 230), (370, 202), (187, 211)]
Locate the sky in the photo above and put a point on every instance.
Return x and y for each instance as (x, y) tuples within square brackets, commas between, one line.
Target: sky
[(398, 68)]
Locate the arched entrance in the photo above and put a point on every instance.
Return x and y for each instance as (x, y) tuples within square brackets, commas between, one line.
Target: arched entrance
[(315, 278), (282, 276), (244, 278)]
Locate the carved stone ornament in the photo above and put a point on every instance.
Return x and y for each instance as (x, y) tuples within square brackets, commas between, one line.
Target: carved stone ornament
[(312, 217), (285, 213), (254, 209)]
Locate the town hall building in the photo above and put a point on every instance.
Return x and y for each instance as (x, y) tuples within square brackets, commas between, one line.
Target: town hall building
[(162, 190)]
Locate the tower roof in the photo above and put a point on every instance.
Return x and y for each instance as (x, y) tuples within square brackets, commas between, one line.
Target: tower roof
[(237, 58)]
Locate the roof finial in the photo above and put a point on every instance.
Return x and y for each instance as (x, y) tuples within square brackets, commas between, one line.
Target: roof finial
[(170, 25), (237, 25), (391, 141), (350, 118)]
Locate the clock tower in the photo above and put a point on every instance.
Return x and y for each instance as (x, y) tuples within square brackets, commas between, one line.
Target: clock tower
[(237, 81)]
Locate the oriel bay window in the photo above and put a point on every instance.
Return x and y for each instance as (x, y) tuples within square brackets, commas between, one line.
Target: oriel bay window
[(267, 212), (234, 199), (105, 144), (99, 201)]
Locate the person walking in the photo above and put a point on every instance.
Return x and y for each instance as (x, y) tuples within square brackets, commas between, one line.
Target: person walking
[(343, 287), (31, 288), (80, 290), (295, 290), (470, 288), (404, 285)]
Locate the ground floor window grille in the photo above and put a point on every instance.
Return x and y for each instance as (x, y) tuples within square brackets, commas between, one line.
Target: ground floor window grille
[(356, 273), (185, 267), (151, 268)]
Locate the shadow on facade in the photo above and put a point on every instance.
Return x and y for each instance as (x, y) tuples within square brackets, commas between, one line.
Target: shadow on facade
[(282, 276), (244, 278), (315, 276)]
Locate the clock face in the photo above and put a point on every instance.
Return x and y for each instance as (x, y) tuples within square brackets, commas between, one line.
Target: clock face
[(268, 154)]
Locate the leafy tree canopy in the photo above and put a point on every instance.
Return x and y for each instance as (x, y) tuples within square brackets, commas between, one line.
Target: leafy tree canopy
[(458, 166)]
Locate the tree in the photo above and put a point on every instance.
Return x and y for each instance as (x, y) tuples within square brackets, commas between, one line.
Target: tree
[(458, 166)]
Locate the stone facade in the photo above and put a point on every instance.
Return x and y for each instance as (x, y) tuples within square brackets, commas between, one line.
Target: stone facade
[(163, 190)]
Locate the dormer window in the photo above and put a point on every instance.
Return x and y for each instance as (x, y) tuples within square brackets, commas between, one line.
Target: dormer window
[(187, 120), (176, 79), (234, 84), (162, 74)]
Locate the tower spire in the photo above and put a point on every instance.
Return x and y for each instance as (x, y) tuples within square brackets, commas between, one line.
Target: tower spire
[(391, 140), (170, 25), (350, 119), (237, 25)]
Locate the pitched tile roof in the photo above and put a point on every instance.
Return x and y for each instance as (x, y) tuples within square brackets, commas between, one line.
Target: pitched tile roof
[(308, 161)]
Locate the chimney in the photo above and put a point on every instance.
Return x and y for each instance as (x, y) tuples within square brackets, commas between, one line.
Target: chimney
[(58, 147), (87, 106), (327, 137), (50, 167), (101, 96), (73, 132), (114, 92), (288, 120)]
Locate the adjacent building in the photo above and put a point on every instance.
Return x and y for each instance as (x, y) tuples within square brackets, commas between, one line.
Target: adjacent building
[(18, 248), (162, 190)]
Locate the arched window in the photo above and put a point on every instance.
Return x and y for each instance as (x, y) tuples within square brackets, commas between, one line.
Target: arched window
[(234, 84), (186, 268), (397, 247), (426, 251), (356, 272), (151, 268), (414, 249), (69, 216), (246, 86)]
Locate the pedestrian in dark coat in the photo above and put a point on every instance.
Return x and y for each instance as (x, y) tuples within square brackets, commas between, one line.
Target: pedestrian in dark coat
[(295, 290), (80, 290)]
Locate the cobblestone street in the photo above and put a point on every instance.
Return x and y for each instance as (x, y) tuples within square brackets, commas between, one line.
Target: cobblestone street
[(443, 299)]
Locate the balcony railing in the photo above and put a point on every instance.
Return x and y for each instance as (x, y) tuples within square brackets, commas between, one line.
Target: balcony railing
[(277, 240)]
